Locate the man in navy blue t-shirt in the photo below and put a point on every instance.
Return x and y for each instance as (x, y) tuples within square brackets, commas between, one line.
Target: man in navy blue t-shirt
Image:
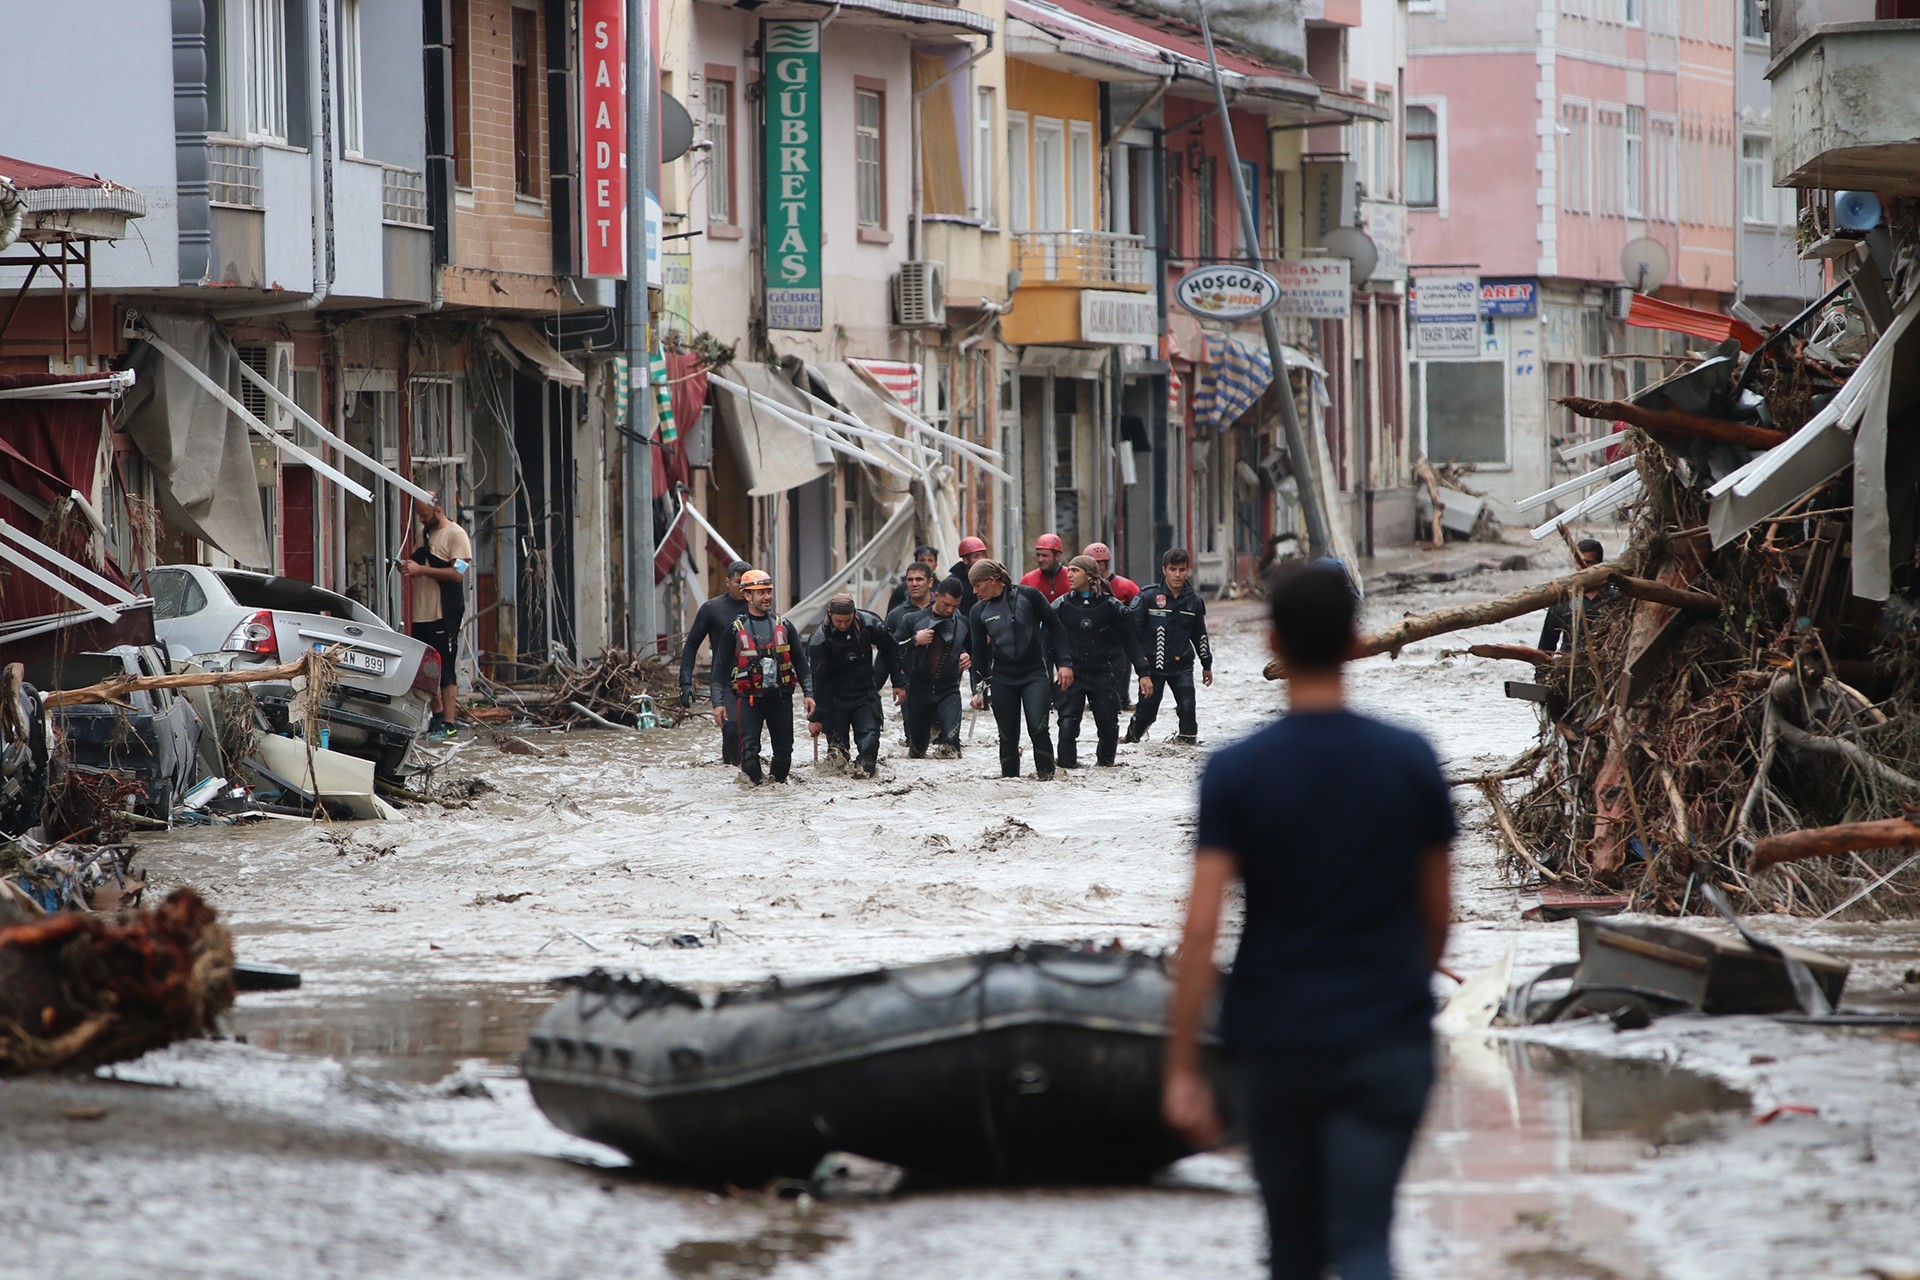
[(1339, 826)]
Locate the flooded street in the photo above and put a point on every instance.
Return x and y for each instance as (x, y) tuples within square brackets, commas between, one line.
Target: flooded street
[(371, 1122)]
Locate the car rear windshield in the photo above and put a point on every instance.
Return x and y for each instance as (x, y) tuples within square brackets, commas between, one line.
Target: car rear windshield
[(75, 671), (292, 596)]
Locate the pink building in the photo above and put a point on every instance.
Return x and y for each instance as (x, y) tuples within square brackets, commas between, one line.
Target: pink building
[(1542, 141)]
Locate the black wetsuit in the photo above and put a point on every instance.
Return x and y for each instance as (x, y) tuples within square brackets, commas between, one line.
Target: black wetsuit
[(847, 675), (1098, 628), (772, 710), (1016, 641), (713, 622), (1172, 631), (933, 678), (1557, 632), (968, 600)]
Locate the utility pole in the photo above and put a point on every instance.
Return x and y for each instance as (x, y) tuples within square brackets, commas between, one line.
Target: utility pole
[(1305, 470), (642, 624)]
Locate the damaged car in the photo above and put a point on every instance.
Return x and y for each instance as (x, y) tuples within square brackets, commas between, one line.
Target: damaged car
[(151, 737), (228, 619)]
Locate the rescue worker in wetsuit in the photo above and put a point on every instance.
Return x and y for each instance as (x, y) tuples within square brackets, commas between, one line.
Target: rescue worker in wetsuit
[(972, 551), (1016, 641), (1126, 591), (713, 623), (1097, 625), (1171, 621), (765, 662), (919, 598), (934, 644), (1050, 578), (925, 556), (852, 654)]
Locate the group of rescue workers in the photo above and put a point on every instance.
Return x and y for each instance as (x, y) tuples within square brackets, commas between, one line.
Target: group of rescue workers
[(1068, 638)]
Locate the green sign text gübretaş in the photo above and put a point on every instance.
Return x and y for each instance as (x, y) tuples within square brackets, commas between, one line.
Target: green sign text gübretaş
[(793, 175)]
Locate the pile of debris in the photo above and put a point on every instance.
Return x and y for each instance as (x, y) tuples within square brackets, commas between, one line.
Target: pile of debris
[(618, 690), (1746, 667)]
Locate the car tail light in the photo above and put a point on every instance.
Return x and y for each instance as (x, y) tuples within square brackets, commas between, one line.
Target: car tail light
[(255, 635), (427, 678)]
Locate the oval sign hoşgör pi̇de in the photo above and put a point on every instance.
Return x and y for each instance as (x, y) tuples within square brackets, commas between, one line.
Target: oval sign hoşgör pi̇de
[(1227, 292)]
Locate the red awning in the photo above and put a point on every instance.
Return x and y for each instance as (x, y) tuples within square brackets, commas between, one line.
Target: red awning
[(1652, 313)]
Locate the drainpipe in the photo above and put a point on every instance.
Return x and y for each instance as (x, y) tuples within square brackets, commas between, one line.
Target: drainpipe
[(320, 153)]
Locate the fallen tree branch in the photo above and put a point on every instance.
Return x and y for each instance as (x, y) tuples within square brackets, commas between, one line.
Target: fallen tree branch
[(1676, 422), (117, 688), (1847, 837), (1852, 753), (1660, 593), (1458, 618), (1504, 818), (1513, 653)]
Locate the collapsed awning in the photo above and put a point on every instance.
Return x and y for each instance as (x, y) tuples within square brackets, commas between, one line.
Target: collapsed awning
[(527, 347), (1851, 430), (773, 451)]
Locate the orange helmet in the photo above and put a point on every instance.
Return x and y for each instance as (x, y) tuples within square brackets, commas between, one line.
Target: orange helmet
[(969, 546), (756, 579), (1049, 542), (1098, 551)]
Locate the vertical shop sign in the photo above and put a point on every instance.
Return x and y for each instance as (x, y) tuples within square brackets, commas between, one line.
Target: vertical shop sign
[(792, 149), (603, 135)]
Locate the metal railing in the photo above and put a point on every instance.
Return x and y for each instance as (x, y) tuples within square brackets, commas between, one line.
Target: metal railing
[(403, 197), (233, 174), (1103, 258)]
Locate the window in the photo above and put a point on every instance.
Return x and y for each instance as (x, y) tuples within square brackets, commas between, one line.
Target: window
[(1423, 156), (1080, 143), (1382, 188), (1661, 162), (1636, 154), (1176, 204), (1019, 168), (1065, 433), (1575, 165), (1049, 174), (1607, 160), (247, 60), (1120, 212), (1206, 208), (462, 59), (983, 154), (1756, 186), (1632, 10), (1753, 20), (352, 134), (869, 156), (720, 146), (526, 103)]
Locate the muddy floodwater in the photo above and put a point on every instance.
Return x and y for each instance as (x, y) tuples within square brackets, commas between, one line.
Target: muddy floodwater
[(371, 1123)]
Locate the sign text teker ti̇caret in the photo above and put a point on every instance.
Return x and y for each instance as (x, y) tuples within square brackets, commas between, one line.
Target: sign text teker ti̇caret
[(792, 60)]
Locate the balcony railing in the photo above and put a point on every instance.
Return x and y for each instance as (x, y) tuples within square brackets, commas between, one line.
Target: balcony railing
[(403, 197), (233, 174), (1086, 259)]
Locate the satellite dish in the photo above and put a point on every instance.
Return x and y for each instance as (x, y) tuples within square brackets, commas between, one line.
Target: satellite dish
[(676, 129), (1357, 247), (1644, 264)]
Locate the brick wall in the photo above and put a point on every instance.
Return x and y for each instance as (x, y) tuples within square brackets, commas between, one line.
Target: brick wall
[(493, 227)]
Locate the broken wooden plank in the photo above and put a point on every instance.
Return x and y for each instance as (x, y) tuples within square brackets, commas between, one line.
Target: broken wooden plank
[(1513, 653), (117, 688)]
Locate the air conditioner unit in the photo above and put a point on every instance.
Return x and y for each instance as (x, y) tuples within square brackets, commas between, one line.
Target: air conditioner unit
[(920, 295), (274, 362), (1619, 301)]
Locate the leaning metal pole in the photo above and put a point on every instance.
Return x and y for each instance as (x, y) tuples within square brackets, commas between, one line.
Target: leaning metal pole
[(1319, 531), (637, 520)]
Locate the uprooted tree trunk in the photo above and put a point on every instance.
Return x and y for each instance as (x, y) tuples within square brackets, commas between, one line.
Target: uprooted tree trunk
[(1425, 626), (117, 688), (1675, 422), (78, 991), (1848, 837)]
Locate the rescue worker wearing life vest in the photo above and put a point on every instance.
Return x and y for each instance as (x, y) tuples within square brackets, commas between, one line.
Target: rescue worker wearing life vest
[(852, 654), (765, 662)]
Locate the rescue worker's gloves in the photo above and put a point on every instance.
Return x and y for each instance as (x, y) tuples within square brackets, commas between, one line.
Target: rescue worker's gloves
[(686, 695)]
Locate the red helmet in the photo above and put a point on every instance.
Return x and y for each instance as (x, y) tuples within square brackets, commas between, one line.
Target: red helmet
[(1049, 542), (1098, 551), (969, 546)]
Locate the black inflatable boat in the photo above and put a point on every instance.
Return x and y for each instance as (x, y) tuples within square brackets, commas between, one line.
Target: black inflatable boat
[(1036, 1064)]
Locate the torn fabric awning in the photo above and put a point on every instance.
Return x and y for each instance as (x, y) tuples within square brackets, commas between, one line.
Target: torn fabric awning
[(1235, 376), (772, 455), (525, 346)]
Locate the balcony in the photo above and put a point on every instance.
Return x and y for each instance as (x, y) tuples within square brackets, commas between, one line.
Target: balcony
[(1845, 112), (1083, 260)]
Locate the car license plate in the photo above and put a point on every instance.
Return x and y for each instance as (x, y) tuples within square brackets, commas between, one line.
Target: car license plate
[(372, 663)]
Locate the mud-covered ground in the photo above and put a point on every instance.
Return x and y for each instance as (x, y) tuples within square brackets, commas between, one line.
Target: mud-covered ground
[(370, 1123)]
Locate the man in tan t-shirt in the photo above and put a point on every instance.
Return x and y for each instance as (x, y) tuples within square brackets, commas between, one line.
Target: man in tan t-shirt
[(437, 571)]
